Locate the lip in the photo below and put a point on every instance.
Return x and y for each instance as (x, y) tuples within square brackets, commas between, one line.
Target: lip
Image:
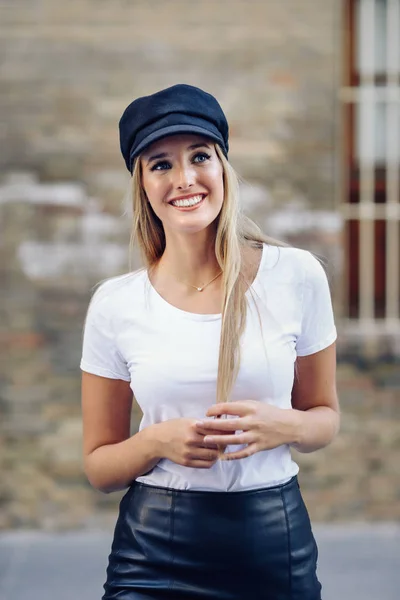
[(187, 208)]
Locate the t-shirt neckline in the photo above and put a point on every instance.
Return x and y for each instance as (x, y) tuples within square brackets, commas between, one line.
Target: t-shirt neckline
[(164, 304)]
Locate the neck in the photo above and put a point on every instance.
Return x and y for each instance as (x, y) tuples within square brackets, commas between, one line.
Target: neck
[(190, 258)]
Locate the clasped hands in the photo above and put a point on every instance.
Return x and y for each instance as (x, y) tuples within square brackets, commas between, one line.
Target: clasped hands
[(259, 425)]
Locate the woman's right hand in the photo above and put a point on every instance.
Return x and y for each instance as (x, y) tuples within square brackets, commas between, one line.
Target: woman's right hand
[(180, 441)]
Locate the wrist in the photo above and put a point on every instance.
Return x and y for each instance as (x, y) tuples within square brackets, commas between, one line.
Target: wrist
[(296, 427), (154, 442)]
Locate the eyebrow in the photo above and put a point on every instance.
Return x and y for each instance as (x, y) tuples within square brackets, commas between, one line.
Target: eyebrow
[(165, 154)]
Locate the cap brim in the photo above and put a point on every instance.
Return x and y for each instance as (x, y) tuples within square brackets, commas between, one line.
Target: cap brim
[(173, 130)]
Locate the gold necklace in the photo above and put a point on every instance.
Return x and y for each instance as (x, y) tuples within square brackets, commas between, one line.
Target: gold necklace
[(200, 289)]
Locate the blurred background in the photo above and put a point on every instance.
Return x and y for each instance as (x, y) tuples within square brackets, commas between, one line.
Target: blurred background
[(311, 91)]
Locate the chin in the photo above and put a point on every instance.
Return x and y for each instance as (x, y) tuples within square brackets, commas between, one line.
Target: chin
[(196, 227)]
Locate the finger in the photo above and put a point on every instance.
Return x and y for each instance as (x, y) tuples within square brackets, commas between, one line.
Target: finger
[(208, 454), (244, 453), (220, 426), (239, 408), (198, 440), (203, 431), (228, 440)]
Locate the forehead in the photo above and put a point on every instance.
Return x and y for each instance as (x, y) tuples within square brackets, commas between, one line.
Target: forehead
[(174, 143)]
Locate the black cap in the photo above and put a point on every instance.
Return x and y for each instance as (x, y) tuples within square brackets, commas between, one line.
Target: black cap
[(178, 109)]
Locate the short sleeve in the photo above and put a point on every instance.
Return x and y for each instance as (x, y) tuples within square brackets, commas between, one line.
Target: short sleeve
[(100, 354), (318, 329)]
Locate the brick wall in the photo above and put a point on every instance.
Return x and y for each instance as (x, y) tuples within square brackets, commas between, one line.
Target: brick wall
[(68, 70)]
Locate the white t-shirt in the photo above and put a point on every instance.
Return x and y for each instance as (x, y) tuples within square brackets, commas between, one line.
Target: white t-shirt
[(170, 356)]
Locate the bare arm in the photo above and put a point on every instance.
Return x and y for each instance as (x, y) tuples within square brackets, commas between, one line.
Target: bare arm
[(112, 457), (315, 402), (311, 424)]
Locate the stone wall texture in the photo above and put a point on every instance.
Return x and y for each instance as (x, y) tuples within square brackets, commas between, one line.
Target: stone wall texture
[(67, 72)]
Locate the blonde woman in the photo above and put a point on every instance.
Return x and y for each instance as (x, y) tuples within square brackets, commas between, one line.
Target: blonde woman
[(226, 339)]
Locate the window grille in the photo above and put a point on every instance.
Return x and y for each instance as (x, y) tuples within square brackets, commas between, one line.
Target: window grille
[(371, 207)]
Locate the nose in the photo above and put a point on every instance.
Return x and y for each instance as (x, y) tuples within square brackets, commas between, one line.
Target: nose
[(184, 177)]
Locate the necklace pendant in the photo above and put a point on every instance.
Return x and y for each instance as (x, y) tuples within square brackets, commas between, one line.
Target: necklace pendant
[(200, 289)]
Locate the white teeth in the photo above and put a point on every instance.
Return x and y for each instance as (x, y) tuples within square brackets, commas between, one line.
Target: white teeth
[(188, 201)]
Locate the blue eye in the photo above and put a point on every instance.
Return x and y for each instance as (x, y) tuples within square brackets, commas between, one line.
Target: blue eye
[(160, 166), (163, 165), (201, 157)]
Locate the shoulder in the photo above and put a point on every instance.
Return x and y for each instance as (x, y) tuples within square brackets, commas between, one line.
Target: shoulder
[(294, 270), (113, 294), (298, 264)]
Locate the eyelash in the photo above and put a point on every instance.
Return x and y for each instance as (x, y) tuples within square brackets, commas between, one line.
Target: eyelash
[(165, 162)]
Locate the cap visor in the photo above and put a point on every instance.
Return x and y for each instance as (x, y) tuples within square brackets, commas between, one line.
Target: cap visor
[(173, 130)]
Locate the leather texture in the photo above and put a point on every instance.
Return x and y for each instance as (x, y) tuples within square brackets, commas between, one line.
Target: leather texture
[(190, 545)]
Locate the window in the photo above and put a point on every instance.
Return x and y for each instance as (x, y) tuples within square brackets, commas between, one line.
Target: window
[(371, 204)]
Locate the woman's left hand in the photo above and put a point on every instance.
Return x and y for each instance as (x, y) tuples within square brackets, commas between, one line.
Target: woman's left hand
[(259, 425)]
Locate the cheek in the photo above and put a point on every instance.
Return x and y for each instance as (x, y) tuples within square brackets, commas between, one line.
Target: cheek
[(153, 188), (218, 182)]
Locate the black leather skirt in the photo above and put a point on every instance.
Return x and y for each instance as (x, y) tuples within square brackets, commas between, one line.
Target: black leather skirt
[(190, 545)]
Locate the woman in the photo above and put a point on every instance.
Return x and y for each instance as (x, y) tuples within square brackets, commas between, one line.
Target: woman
[(227, 340)]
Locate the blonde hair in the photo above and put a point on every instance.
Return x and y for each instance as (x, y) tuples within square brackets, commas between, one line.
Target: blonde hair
[(234, 231)]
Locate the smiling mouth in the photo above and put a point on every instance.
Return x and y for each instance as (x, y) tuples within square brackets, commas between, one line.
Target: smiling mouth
[(188, 202)]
